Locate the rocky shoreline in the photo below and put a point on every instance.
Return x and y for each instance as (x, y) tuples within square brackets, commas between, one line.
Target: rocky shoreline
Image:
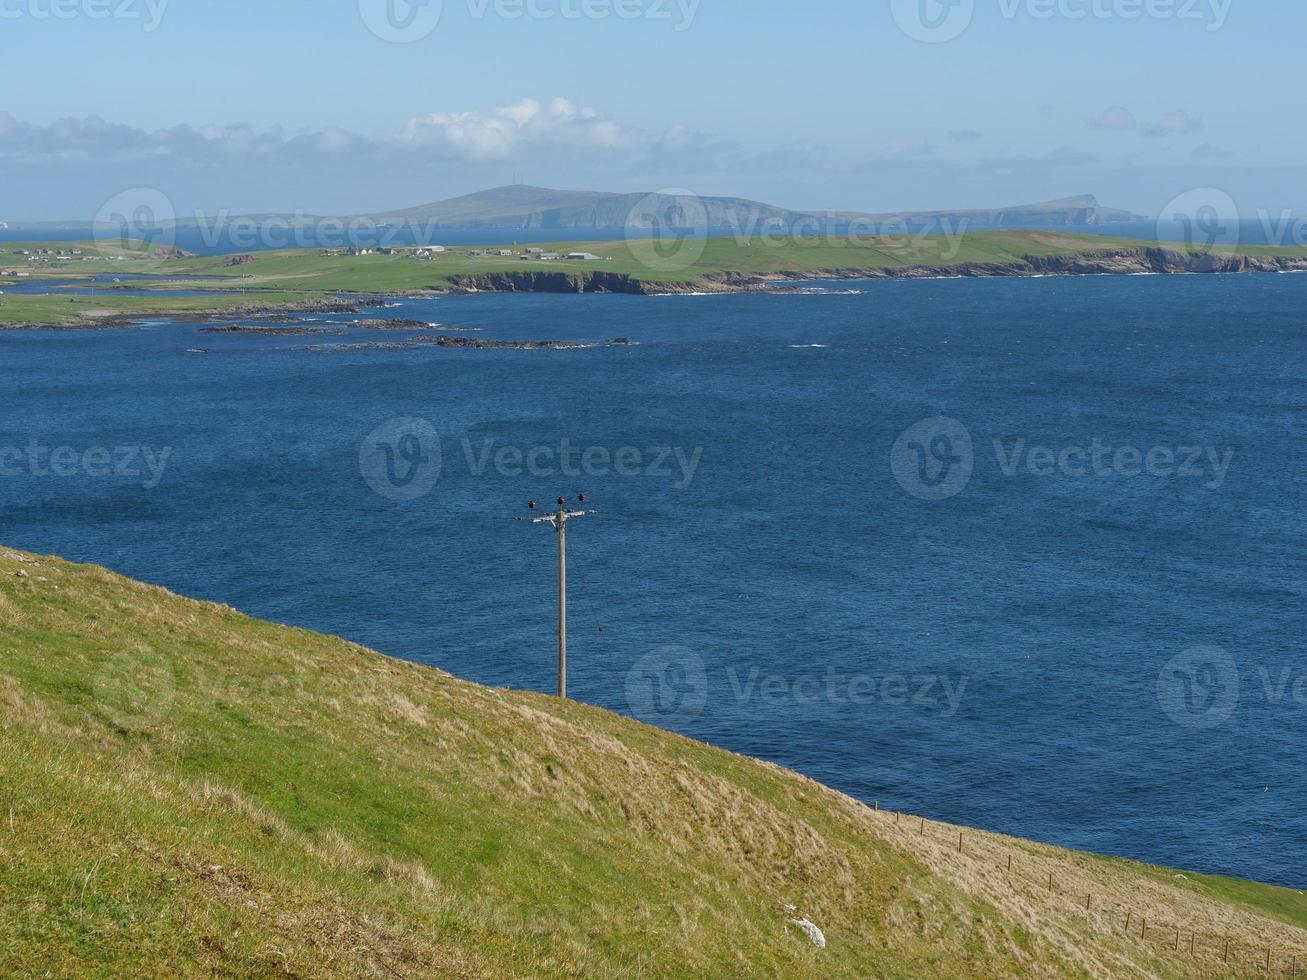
[(271, 312), (275, 331), (469, 343), (1144, 260)]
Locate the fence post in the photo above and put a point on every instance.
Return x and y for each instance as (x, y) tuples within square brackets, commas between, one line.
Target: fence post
[(1009, 862), (1226, 957), (922, 832), (1088, 899), (1177, 939), (1143, 929), (1050, 881), (959, 842), (1193, 938), (1128, 915), (875, 806)]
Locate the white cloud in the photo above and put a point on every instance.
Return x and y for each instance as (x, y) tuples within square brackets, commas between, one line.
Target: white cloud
[(496, 134), (1177, 123), (1118, 118), (527, 128)]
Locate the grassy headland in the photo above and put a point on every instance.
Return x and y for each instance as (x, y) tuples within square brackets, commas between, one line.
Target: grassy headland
[(187, 791), (280, 278)]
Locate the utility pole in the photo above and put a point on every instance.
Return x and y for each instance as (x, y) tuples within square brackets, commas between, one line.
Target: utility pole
[(559, 520)]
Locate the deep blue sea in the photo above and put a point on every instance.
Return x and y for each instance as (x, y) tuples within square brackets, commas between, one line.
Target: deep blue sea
[(1026, 554)]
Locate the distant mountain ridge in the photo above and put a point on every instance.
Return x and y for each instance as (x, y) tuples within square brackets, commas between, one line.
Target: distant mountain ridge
[(1082, 209), (520, 206)]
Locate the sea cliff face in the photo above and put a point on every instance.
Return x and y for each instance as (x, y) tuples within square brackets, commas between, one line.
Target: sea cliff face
[(1107, 262), (530, 281)]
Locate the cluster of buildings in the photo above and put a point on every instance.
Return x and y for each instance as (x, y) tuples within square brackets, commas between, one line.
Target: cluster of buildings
[(46, 256), (540, 255), (430, 252), (51, 254), (423, 252)]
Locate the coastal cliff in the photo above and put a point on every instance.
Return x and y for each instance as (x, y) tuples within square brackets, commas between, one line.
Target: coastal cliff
[(1104, 262), (1107, 262), (529, 281)]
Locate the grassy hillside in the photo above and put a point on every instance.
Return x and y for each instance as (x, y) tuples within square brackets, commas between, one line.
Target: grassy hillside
[(284, 277), (186, 791), (640, 260)]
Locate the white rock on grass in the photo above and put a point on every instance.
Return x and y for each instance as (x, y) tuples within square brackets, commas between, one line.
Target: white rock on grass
[(816, 935)]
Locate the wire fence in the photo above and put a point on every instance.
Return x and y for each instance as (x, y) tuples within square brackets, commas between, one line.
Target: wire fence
[(1157, 932)]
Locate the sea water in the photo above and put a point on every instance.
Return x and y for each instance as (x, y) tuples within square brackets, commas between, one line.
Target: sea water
[(1021, 554)]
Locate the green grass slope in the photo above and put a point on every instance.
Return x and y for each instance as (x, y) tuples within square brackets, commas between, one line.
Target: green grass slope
[(284, 277), (185, 791)]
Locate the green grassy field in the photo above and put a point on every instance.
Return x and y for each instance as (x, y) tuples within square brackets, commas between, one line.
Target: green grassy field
[(284, 276), (87, 310), (188, 792), (641, 260)]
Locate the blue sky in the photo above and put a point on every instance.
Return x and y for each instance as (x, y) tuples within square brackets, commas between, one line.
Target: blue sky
[(299, 105)]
